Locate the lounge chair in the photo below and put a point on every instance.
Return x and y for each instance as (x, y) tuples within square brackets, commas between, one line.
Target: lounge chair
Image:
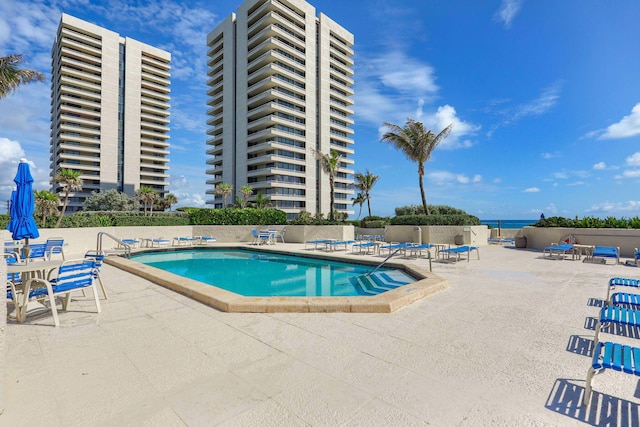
[(72, 275), (625, 299), (621, 281), (316, 242), (275, 235), (636, 256), (132, 243), (608, 355), (336, 244), (177, 241), (394, 247), (460, 250), (159, 242), (418, 248), (606, 252), (560, 250), (205, 240), (365, 246), (611, 314)]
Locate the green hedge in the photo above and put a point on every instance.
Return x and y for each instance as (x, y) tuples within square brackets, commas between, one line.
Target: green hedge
[(433, 210), (436, 220), (243, 216), (589, 222)]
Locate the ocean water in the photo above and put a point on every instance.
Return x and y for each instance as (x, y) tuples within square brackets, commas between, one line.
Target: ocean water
[(508, 223)]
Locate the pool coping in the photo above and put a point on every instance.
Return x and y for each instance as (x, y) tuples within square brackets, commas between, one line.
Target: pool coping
[(231, 302)]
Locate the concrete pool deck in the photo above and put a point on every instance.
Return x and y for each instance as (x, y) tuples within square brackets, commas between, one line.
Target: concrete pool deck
[(507, 343)]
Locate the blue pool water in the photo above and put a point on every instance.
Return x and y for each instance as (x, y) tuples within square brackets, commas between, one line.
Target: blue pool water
[(263, 274), (508, 223)]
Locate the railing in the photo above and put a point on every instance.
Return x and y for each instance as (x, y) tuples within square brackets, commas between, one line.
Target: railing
[(384, 261), (126, 248)]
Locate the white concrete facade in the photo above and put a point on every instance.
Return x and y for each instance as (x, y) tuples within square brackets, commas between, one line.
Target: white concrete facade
[(280, 86), (109, 110)]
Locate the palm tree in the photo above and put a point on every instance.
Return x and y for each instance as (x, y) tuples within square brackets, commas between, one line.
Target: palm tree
[(261, 202), (417, 143), (71, 181), (170, 199), (359, 199), (11, 77), (223, 190), (246, 192), (365, 182), (46, 204), (147, 197), (329, 164)]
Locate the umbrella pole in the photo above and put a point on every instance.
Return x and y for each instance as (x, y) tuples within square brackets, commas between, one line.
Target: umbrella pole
[(25, 250)]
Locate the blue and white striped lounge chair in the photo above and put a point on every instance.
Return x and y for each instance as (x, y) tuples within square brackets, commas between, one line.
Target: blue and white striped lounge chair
[(205, 240), (159, 242), (72, 275), (396, 247), (611, 314), (365, 246), (177, 241), (132, 243), (621, 281), (608, 355), (98, 257), (606, 252), (417, 249), (460, 250), (316, 242), (559, 250), (334, 245)]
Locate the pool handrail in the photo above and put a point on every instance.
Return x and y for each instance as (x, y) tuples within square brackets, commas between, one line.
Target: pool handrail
[(127, 247)]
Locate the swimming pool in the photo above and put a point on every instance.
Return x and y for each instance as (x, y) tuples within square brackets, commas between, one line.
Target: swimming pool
[(426, 284), (260, 274)]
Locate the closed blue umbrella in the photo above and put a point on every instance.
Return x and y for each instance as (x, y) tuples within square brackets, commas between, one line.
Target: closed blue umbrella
[(22, 225)]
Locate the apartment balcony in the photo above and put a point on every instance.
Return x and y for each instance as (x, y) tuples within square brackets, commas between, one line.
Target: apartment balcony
[(86, 146), (342, 99), (152, 118), (215, 69), (83, 39), (79, 74), (336, 62), (216, 110), (85, 104), (150, 94), (79, 130), (338, 52), (216, 45), (158, 72), (88, 68), (153, 141), (160, 64), (80, 56), (84, 87), (216, 58), (154, 152), (155, 81)]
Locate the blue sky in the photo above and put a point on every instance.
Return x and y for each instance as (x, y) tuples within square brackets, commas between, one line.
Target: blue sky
[(544, 97)]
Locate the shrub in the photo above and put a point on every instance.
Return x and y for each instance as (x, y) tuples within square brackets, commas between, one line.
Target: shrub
[(242, 216), (589, 222), (452, 219), (374, 222), (433, 210)]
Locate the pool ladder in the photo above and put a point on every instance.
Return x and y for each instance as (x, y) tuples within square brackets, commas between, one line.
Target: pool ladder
[(389, 257), (126, 250)]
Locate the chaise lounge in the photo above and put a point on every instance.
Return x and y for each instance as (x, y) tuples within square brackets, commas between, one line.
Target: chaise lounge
[(560, 250), (460, 250), (606, 252)]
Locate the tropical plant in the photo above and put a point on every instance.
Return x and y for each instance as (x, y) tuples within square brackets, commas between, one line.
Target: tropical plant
[(417, 143), (110, 200), (329, 164), (46, 204), (246, 192), (365, 182), (147, 197), (71, 181), (223, 190), (359, 199), (261, 201), (11, 77), (170, 200)]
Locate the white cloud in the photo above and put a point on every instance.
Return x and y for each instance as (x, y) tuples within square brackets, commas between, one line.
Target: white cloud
[(635, 173), (573, 184), (611, 207), (561, 175), (443, 117), (634, 159), (600, 166), (531, 190), (448, 178), (510, 115), (507, 11), (627, 127)]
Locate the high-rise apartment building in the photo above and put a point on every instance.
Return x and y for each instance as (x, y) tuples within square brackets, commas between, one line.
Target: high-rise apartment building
[(109, 110), (280, 87)]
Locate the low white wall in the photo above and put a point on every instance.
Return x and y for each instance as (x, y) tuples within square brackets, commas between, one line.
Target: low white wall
[(80, 240), (626, 239)]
